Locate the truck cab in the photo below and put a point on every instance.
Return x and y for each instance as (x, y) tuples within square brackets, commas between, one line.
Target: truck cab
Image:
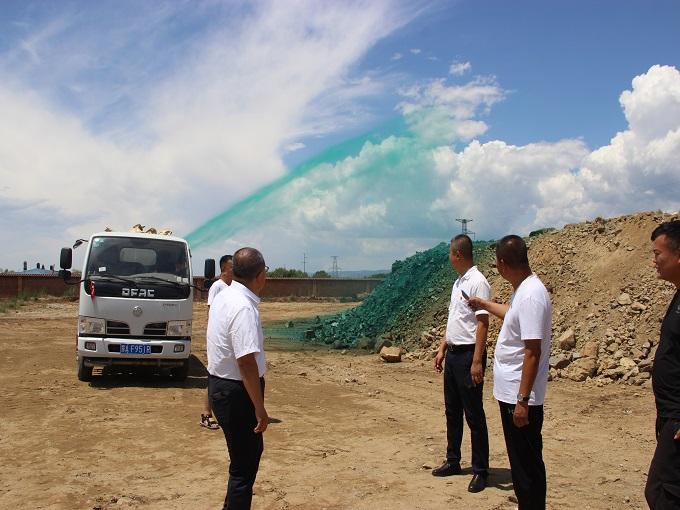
[(135, 306)]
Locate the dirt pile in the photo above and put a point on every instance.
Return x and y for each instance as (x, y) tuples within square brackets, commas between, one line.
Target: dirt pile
[(607, 301), (414, 293)]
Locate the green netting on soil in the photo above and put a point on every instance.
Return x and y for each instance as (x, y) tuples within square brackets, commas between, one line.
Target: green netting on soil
[(415, 286)]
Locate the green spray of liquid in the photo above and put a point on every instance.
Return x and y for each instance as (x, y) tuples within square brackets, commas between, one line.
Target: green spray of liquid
[(386, 153)]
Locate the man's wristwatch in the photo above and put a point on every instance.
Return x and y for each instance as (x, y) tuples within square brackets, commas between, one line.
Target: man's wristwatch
[(523, 398)]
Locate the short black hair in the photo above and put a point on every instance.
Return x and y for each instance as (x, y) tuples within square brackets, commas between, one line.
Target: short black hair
[(224, 259), (248, 263), (513, 251), (670, 229), (463, 244)]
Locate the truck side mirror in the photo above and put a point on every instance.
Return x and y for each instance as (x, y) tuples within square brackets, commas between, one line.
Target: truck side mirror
[(66, 258), (209, 270), (209, 273)]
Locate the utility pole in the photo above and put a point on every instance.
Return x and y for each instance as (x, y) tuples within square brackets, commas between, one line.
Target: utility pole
[(464, 224), (335, 270), (304, 262)]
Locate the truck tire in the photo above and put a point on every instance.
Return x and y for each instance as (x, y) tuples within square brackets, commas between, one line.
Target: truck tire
[(84, 373), (181, 373)]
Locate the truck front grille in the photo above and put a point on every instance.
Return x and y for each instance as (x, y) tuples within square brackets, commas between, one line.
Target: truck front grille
[(155, 329), (115, 328)]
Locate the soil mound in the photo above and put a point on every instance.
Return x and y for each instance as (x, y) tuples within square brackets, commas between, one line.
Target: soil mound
[(607, 300)]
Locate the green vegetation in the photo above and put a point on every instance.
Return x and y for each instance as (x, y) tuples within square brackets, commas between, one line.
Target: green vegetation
[(282, 272), (378, 276), (321, 274), (16, 302)]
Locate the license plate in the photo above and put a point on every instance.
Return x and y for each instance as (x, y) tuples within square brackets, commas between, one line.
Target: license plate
[(135, 349)]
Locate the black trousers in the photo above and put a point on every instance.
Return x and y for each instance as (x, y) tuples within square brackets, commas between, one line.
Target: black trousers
[(461, 397), (236, 415), (663, 482), (525, 452)]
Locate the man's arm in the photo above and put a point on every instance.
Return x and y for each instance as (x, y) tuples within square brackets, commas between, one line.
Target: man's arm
[(532, 356), (497, 309), (441, 353), (477, 369), (247, 365)]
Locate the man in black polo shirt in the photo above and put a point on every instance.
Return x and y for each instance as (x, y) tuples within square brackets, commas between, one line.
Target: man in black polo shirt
[(663, 482)]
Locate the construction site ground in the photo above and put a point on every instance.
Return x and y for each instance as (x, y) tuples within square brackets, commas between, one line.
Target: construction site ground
[(349, 431)]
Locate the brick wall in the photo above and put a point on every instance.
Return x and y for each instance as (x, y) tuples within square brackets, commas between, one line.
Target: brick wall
[(13, 284)]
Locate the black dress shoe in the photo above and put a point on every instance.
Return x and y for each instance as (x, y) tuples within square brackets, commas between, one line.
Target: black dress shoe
[(446, 469), (478, 483)]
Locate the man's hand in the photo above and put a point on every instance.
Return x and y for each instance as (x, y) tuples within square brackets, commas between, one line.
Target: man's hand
[(677, 435), (262, 421), (477, 373), (521, 415), (439, 359), (477, 303)]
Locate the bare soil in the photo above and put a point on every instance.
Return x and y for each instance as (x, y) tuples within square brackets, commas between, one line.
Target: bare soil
[(351, 432)]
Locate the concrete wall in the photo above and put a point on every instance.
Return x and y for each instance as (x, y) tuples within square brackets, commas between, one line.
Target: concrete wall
[(14, 284)]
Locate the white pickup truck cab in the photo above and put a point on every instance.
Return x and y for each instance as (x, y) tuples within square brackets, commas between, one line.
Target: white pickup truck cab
[(135, 305)]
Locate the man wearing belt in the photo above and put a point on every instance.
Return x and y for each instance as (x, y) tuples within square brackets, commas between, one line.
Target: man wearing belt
[(463, 352), (520, 369), (236, 367)]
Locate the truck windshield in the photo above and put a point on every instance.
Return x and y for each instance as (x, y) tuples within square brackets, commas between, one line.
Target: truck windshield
[(132, 257)]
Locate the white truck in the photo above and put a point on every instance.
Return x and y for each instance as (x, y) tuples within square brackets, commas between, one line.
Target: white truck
[(136, 297)]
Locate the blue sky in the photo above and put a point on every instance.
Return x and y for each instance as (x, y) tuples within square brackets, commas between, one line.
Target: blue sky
[(517, 114)]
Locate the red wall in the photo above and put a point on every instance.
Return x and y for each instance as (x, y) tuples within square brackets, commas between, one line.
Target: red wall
[(13, 284)]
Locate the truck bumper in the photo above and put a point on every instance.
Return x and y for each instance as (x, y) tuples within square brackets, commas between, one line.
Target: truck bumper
[(93, 351)]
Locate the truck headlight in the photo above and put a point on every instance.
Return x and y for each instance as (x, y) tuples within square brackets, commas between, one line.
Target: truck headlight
[(91, 326), (179, 328)]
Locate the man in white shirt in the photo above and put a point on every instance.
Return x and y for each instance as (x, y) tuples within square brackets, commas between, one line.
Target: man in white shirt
[(236, 368), (226, 275), (521, 369), (464, 351)]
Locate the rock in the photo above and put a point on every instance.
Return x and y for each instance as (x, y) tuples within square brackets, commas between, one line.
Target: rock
[(366, 343), (590, 349), (391, 354), (638, 307), (645, 366), (382, 342), (559, 361), (581, 369), (624, 299), (567, 340), (627, 363)]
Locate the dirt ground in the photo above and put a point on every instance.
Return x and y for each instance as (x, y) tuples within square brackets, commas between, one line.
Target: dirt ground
[(351, 431)]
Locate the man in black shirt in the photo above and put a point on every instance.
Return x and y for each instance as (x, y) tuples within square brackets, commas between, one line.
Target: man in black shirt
[(663, 482)]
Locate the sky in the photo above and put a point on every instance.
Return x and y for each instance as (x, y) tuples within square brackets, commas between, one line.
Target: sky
[(356, 129)]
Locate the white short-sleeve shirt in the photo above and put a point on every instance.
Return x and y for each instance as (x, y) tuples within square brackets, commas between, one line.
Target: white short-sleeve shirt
[(528, 318), (234, 330), (461, 328), (217, 286)]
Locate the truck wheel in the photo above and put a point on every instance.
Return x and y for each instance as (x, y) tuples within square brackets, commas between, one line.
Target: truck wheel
[(181, 373), (84, 373)]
